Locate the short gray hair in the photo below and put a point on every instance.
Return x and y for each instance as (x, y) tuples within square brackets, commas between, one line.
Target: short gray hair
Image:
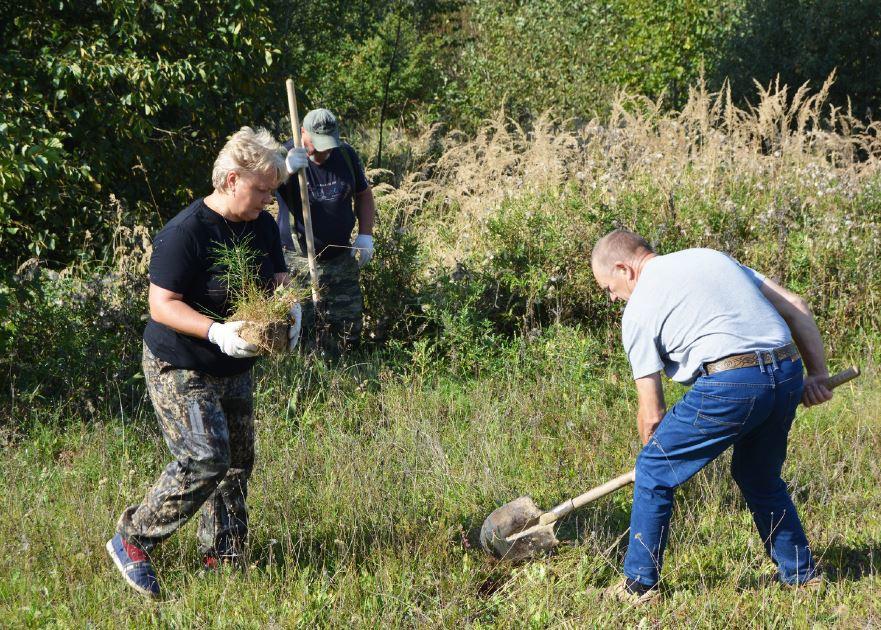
[(249, 151), (617, 245)]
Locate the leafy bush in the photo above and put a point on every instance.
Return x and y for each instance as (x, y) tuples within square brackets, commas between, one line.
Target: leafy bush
[(391, 283), (538, 261), (71, 344), (571, 58), (120, 98), (505, 222), (71, 340), (135, 99)]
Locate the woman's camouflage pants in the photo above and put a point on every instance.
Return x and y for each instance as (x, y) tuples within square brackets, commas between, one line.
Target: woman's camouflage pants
[(208, 423)]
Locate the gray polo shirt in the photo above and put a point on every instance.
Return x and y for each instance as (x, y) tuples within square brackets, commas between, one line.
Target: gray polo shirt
[(695, 306)]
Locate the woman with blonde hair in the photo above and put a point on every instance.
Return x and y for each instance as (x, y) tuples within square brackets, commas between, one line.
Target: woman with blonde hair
[(198, 368)]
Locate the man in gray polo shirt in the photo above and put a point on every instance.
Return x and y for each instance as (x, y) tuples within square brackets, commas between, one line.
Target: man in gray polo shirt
[(739, 339)]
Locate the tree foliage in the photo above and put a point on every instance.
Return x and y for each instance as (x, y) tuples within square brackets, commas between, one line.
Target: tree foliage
[(804, 41), (134, 99), (123, 98), (571, 56)]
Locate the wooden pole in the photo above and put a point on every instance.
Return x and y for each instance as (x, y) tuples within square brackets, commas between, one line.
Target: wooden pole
[(304, 192)]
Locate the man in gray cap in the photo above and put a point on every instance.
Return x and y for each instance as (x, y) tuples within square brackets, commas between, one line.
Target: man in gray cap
[(339, 196)]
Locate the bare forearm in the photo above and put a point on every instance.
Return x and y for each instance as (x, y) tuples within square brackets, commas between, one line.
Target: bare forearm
[(807, 337), (181, 317), (365, 210), (798, 316), (651, 405)]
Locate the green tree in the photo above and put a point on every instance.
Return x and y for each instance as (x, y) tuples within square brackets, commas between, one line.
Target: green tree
[(665, 45), (124, 98), (804, 41), (572, 56)]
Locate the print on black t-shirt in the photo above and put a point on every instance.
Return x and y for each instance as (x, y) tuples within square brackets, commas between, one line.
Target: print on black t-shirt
[(332, 188)]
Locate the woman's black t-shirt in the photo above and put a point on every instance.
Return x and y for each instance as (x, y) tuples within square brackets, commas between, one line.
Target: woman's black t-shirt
[(184, 261)]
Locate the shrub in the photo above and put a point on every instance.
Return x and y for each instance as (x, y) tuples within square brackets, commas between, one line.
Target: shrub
[(506, 218), (571, 57), (71, 342), (135, 99)]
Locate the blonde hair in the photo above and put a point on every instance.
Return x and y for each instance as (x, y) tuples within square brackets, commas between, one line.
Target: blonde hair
[(618, 244), (249, 151)]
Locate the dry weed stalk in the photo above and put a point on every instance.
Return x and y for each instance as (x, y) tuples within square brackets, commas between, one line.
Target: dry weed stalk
[(795, 140)]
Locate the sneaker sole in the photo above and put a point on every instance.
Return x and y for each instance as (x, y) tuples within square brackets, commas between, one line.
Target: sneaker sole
[(140, 589)]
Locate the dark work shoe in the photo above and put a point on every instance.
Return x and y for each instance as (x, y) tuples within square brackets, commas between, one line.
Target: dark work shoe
[(631, 592), (134, 565)]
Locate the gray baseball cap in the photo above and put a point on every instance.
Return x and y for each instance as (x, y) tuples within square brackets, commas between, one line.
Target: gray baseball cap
[(322, 127)]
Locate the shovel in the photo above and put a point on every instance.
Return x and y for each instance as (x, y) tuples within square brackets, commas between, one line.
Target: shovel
[(519, 530), (304, 193)]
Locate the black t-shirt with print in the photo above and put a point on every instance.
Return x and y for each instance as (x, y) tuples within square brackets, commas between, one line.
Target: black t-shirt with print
[(184, 261), (332, 189)]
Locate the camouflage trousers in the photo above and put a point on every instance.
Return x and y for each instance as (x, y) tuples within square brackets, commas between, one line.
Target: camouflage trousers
[(337, 325), (208, 424)]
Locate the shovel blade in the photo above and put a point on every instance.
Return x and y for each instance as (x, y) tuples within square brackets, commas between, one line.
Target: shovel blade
[(509, 519)]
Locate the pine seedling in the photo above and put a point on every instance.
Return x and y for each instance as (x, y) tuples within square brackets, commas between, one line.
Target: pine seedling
[(266, 313)]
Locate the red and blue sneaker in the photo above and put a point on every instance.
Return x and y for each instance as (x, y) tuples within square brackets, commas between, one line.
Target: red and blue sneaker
[(134, 565)]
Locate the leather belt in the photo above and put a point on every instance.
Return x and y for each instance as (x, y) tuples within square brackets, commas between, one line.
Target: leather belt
[(752, 359)]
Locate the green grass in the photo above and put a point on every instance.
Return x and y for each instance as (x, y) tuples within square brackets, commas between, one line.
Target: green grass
[(501, 375), (372, 478)]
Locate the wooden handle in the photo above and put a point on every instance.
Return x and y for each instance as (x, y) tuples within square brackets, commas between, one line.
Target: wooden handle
[(843, 377), (304, 191), (583, 499), (627, 478)]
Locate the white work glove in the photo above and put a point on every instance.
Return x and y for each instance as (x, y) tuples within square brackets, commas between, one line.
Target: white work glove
[(296, 159), (296, 314), (364, 244), (227, 337)]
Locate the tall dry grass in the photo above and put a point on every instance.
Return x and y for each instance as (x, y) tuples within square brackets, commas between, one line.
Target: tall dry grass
[(787, 134), (789, 185)]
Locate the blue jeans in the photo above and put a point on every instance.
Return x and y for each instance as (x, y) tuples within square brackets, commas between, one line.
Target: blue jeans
[(751, 408)]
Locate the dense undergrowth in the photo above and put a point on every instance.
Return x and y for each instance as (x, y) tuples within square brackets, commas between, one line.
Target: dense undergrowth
[(491, 368), (484, 241)]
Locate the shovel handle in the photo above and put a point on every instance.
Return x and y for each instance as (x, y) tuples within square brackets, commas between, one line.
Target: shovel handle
[(843, 377), (583, 499), (627, 478), (304, 191)]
